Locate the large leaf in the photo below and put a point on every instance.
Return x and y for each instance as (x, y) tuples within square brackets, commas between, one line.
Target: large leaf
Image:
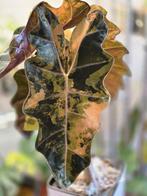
[(24, 123), (66, 92)]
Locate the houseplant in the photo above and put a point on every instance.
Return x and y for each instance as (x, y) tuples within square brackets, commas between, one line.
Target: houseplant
[(67, 80)]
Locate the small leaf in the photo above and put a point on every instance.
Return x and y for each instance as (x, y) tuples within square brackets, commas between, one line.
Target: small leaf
[(24, 123)]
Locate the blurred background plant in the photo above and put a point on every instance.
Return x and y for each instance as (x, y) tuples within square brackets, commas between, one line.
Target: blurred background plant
[(23, 170), (124, 124)]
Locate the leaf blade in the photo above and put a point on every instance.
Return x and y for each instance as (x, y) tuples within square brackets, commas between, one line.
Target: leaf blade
[(61, 100)]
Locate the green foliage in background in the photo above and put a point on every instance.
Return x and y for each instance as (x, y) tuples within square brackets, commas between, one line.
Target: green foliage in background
[(9, 180), (26, 162), (138, 186), (136, 183), (27, 147)]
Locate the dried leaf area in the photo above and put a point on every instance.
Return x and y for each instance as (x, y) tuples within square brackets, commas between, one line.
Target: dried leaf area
[(65, 83)]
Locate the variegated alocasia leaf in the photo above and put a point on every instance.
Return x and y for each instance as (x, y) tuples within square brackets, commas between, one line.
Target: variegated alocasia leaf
[(66, 93), (24, 123)]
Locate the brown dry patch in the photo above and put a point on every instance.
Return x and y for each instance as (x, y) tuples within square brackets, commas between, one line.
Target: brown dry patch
[(86, 128), (34, 99)]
